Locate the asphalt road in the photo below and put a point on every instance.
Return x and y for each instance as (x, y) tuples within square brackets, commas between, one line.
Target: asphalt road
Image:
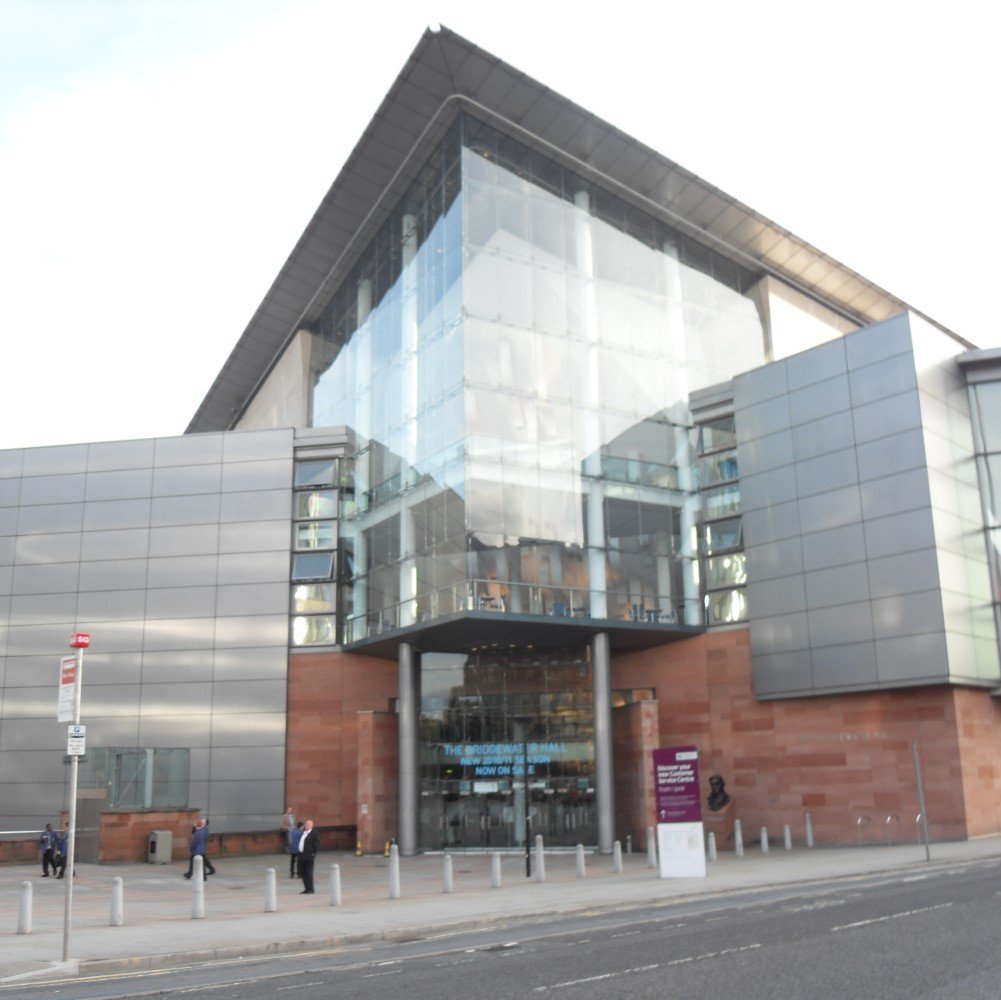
[(904, 935)]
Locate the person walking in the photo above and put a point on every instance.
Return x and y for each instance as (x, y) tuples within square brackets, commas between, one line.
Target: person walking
[(288, 825), (62, 847), (293, 849), (47, 849), (308, 847), (199, 848)]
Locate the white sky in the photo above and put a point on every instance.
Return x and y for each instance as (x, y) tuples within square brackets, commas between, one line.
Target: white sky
[(160, 158)]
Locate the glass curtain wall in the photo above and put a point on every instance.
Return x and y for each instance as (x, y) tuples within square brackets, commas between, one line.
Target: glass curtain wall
[(985, 399), (514, 354)]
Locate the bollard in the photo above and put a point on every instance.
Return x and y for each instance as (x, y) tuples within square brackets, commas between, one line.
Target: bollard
[(24, 910), (629, 843), (712, 846), (394, 872), (787, 837), (651, 848), (764, 840), (198, 888), (581, 869), (270, 891), (738, 839), (335, 885), (809, 830), (540, 859), (495, 871), (448, 884), (117, 902), (617, 857)]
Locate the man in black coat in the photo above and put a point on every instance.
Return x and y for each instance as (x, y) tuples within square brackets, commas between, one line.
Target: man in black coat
[(308, 847)]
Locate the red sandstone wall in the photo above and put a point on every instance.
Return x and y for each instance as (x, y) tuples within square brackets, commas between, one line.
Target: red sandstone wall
[(836, 757), (326, 691), (635, 735), (124, 836), (378, 753)]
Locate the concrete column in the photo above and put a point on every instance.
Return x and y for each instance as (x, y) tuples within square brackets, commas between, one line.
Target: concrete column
[(409, 703), (604, 782)]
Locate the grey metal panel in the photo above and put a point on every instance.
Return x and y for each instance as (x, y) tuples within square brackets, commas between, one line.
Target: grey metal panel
[(838, 625), (878, 341), (275, 474), (184, 540), (52, 489), (179, 633), (908, 573), (7, 550), (6, 579), (820, 437), (254, 536), (821, 400), (198, 769), (180, 730), (912, 657), (45, 517), (8, 519), (174, 699), (767, 488), (894, 453), (249, 446), (128, 543), (113, 574), (252, 630), (180, 602), (895, 494), (118, 637), (779, 633), (770, 452), (844, 666), (121, 485), (116, 514), (826, 472), (32, 702), (29, 734), (187, 480), (192, 449), (884, 378), (260, 729), (171, 511), (245, 799), (183, 571), (910, 614), (253, 599), (259, 505), (780, 558), (751, 388), (54, 578), (106, 700), (782, 674), (108, 456), (776, 597), (835, 547), (253, 567), (11, 463), (43, 609), (58, 461), (177, 665), (830, 510), (838, 585), (248, 697), (111, 668), (247, 762), (764, 418), (899, 533), (890, 415), (816, 365), (257, 663), (61, 547), (10, 492)]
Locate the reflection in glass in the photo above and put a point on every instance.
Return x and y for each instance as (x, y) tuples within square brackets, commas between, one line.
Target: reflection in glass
[(312, 597), (315, 535), (315, 503), (725, 607), (315, 473), (313, 566), (313, 630)]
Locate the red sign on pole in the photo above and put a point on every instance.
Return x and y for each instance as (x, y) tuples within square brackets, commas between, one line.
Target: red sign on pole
[(80, 640)]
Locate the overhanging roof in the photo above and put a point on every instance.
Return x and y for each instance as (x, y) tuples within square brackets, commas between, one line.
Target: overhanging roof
[(444, 74)]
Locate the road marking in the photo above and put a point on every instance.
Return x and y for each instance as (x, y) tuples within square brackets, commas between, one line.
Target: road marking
[(891, 916), (301, 986), (820, 904), (625, 934), (915, 878), (646, 968)]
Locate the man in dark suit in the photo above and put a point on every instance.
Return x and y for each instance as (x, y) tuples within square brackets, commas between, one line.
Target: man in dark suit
[(308, 847)]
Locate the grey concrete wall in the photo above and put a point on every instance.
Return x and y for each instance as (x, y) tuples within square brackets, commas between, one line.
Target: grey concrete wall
[(174, 554), (851, 572)]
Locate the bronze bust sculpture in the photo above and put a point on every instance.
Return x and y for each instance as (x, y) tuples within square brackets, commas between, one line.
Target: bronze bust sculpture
[(718, 797)]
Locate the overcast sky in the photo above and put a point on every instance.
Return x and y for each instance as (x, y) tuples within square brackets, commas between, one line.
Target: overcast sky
[(160, 158)]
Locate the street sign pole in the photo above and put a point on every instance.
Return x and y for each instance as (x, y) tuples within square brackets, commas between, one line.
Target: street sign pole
[(79, 642)]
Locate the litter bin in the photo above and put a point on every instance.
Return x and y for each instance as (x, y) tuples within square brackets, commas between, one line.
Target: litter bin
[(160, 848)]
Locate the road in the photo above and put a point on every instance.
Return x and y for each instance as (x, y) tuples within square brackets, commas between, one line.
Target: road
[(930, 935)]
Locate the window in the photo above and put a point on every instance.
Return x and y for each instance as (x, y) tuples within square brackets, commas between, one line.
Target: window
[(315, 503), (313, 566)]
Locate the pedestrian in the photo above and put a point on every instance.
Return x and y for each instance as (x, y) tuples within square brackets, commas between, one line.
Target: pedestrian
[(293, 849), (288, 825), (62, 849), (308, 847), (47, 848), (199, 848)]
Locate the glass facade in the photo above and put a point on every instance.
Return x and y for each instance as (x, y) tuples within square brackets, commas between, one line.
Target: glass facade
[(312, 604), (513, 355), (985, 407)]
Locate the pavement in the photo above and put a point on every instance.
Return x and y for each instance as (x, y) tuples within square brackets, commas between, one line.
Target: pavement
[(160, 932)]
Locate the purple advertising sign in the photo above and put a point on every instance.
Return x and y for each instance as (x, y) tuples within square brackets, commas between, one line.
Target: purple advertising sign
[(676, 784)]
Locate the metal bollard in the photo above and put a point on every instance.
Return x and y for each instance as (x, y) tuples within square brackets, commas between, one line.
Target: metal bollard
[(581, 868), (540, 859), (270, 891), (198, 888), (738, 839), (448, 884), (809, 830), (117, 902), (335, 885), (712, 846), (495, 871), (24, 910), (394, 872), (764, 840), (617, 857), (651, 848), (787, 837)]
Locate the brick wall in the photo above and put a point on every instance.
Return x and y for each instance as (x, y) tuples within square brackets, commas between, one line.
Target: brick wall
[(378, 755), (635, 735)]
